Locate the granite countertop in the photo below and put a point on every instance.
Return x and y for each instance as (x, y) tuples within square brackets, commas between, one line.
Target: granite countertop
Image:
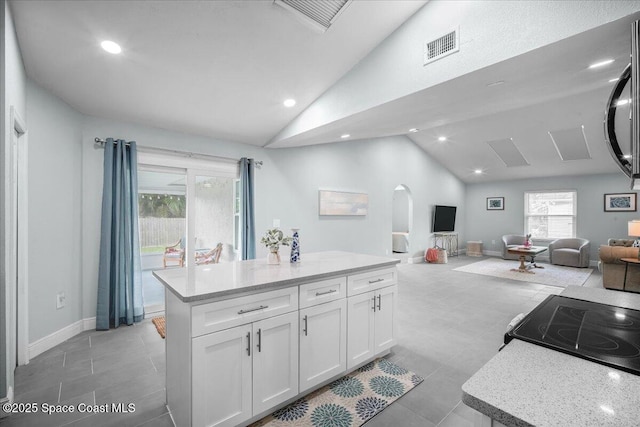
[(218, 280), (529, 385)]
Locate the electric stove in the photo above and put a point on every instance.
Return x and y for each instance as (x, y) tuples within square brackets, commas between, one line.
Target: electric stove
[(597, 332)]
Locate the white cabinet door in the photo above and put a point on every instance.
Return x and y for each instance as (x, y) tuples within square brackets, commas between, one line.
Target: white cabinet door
[(323, 341), (275, 361), (360, 333), (221, 375), (384, 318)]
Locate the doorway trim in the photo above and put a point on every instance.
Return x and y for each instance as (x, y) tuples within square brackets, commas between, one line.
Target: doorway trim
[(19, 139)]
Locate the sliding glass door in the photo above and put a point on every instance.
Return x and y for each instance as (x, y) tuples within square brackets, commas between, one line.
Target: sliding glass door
[(188, 207)]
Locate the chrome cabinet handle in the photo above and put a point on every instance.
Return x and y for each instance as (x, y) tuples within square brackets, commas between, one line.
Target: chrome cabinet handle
[(259, 340), (248, 343), (375, 281), (330, 291), (379, 301), (305, 325), (374, 304), (262, 307)]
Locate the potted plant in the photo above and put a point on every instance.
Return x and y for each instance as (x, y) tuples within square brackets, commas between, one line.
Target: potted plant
[(272, 239)]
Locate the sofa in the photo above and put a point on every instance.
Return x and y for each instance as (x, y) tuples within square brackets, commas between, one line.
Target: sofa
[(612, 268)]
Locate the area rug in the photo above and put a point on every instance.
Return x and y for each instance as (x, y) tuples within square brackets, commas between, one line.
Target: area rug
[(349, 401), (160, 326), (552, 275)]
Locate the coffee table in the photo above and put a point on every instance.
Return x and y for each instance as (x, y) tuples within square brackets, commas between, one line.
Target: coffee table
[(524, 252)]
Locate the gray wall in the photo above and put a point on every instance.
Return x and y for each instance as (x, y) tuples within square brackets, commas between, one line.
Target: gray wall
[(55, 206), (12, 80), (592, 222)]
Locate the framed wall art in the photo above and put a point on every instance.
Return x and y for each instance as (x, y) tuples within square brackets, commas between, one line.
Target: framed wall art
[(342, 203), (620, 202), (495, 203)]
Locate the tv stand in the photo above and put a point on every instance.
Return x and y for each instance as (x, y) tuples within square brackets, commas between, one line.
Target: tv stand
[(448, 242)]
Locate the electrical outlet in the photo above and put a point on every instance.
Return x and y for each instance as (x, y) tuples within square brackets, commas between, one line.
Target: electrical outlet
[(60, 298), (276, 223)]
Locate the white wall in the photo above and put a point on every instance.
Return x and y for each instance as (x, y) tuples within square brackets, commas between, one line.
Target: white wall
[(373, 166), (13, 94), (490, 32), (591, 223), (55, 203)]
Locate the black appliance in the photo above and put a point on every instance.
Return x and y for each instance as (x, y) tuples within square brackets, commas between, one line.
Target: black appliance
[(597, 332)]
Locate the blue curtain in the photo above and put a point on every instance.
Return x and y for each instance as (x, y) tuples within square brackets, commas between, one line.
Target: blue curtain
[(248, 237), (119, 278)]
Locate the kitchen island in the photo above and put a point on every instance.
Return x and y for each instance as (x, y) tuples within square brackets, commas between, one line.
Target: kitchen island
[(246, 338), (529, 385)]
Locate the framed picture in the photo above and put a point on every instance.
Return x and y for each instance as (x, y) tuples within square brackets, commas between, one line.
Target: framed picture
[(339, 203), (620, 202), (495, 203)]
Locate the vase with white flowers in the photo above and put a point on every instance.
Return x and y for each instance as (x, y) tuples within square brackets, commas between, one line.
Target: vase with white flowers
[(273, 239)]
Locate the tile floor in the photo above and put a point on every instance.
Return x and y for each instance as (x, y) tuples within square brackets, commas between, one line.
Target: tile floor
[(449, 324)]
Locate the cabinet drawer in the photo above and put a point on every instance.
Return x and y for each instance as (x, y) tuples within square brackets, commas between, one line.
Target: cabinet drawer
[(219, 315), (371, 280), (322, 291)]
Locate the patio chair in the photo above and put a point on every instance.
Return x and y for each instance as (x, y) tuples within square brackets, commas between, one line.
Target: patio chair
[(174, 254), (209, 257)]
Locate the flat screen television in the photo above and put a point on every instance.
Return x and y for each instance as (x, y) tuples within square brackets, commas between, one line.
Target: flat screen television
[(444, 218)]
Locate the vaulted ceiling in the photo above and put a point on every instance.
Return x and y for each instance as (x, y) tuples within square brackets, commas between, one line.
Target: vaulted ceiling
[(223, 68)]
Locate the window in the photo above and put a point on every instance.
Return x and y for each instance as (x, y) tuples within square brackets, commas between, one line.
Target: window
[(550, 214)]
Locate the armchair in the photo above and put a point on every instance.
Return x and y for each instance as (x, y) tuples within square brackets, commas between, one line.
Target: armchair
[(174, 253), (570, 252), (209, 257), (511, 240)]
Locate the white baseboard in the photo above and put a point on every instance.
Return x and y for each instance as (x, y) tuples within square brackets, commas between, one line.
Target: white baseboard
[(415, 260), (60, 336), (7, 399)]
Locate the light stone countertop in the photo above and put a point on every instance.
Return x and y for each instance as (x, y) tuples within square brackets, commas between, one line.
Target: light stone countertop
[(530, 385), (219, 280)]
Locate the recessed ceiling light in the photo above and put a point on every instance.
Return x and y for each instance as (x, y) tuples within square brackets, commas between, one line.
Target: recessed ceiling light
[(477, 171), (614, 80), (111, 47), (289, 102), (601, 63), (346, 135), (413, 130), (442, 138), (622, 102)]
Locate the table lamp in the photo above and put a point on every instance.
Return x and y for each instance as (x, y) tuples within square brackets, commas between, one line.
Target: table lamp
[(634, 231)]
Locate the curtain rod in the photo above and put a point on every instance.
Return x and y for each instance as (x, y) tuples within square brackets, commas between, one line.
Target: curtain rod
[(258, 163)]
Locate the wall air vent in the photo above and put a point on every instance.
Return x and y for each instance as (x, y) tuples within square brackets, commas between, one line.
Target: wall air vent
[(442, 46), (318, 14)]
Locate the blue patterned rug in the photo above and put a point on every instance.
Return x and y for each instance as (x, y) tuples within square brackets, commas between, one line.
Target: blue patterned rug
[(349, 401)]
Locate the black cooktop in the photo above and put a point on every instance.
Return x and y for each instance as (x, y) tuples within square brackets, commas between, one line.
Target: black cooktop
[(598, 332)]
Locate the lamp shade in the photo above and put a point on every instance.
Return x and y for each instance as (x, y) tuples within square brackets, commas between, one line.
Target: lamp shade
[(634, 228)]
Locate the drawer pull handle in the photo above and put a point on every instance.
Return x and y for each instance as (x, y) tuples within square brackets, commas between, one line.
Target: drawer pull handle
[(375, 281), (374, 304), (330, 291), (379, 302), (305, 325), (262, 307), (259, 340), (248, 343)]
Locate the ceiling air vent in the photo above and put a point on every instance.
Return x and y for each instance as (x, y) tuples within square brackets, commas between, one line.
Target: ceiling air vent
[(508, 152), (442, 46), (319, 14), (571, 144)]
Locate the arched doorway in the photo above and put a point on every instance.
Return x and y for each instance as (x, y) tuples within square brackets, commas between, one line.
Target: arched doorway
[(401, 219)]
